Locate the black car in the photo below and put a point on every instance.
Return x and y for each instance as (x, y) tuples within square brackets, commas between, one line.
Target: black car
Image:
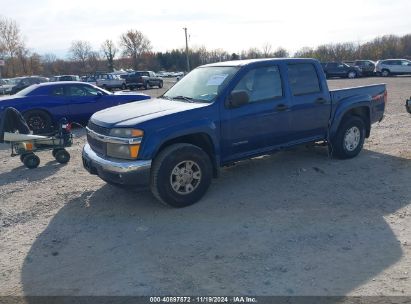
[(24, 82), (367, 67), (340, 69)]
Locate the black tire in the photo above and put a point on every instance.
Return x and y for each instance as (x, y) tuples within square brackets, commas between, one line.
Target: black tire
[(146, 85), (163, 171), (31, 161), (38, 121), (62, 156), (54, 152), (385, 73), (342, 146), (160, 84), (123, 86), (22, 156)]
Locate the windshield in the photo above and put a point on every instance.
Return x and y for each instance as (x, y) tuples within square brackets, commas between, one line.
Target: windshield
[(202, 84)]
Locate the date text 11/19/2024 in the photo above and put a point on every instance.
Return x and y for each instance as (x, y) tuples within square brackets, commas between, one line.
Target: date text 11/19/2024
[(240, 299)]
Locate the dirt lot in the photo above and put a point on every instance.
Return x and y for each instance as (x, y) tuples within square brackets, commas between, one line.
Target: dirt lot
[(294, 223)]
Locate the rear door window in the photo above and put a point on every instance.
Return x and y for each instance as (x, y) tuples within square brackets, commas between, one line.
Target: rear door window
[(303, 79)]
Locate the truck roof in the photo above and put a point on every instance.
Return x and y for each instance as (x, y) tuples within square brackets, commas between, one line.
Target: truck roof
[(252, 61)]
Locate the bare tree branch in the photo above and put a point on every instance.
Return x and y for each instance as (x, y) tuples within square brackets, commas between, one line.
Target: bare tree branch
[(134, 44)]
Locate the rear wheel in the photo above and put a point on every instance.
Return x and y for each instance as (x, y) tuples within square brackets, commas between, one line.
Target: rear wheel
[(350, 137), (160, 84), (123, 86), (31, 161), (181, 175), (38, 121)]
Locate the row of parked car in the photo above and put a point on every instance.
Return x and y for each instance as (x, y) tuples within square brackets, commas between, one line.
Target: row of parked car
[(132, 80), (108, 81), (359, 68), (13, 85)]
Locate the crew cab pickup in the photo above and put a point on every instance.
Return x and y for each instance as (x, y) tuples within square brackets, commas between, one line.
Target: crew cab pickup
[(222, 113), (143, 79)]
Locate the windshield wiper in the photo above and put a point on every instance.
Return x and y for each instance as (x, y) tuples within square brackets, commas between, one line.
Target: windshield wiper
[(180, 97)]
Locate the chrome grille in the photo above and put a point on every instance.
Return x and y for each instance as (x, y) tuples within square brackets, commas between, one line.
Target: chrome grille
[(98, 129), (96, 145)]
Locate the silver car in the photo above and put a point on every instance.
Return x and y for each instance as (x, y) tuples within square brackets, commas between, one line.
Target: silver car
[(393, 67), (5, 86)]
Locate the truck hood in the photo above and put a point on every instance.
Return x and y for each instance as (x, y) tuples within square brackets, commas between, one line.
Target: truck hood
[(131, 114)]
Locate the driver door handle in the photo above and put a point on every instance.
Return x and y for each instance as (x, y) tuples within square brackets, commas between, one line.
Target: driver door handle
[(281, 107), (320, 101)]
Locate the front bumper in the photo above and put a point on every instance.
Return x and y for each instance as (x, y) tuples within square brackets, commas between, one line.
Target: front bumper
[(117, 171)]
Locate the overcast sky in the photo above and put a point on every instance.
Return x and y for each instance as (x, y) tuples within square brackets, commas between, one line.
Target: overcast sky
[(49, 26)]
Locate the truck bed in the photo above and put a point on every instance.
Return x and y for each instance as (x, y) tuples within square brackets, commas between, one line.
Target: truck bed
[(376, 93)]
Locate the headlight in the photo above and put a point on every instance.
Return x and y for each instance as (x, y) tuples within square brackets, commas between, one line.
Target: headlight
[(123, 151), (126, 132)]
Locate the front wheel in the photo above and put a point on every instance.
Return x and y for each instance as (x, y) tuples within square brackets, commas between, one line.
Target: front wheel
[(181, 175), (385, 73), (31, 161), (349, 140)]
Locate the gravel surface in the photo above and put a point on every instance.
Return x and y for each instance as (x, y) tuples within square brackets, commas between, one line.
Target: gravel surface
[(294, 223)]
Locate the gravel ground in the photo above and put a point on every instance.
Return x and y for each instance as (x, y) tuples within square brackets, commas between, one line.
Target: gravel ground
[(294, 223)]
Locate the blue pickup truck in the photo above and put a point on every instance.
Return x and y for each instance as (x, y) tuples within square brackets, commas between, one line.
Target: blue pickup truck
[(222, 113)]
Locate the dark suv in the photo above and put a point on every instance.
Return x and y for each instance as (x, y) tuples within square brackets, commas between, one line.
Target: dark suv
[(340, 69), (367, 67), (24, 82)]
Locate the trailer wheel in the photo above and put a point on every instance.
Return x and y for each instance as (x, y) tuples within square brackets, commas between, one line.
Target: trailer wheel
[(54, 152), (31, 161), (181, 175), (22, 156), (349, 140), (62, 156)]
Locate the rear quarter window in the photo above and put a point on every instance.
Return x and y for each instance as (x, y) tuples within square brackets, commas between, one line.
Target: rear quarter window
[(303, 79)]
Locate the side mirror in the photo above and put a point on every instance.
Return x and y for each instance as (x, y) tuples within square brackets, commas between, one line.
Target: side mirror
[(99, 94), (237, 99)]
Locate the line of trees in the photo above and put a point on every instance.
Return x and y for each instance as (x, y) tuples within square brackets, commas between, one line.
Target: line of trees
[(134, 51)]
